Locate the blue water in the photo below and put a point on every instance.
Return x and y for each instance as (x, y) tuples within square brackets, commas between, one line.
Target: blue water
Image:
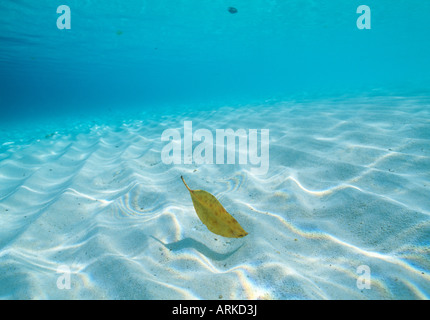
[(162, 52), (82, 183)]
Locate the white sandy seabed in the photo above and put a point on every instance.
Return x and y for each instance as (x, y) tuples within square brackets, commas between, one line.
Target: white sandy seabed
[(348, 186)]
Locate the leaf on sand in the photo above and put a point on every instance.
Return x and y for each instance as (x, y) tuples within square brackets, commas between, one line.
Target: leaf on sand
[(213, 214)]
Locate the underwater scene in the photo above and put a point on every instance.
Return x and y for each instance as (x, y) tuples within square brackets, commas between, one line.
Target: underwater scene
[(215, 150)]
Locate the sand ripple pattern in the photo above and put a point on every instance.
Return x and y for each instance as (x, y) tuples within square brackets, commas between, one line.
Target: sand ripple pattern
[(348, 185)]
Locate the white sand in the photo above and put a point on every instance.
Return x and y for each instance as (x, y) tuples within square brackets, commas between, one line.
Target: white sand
[(348, 185)]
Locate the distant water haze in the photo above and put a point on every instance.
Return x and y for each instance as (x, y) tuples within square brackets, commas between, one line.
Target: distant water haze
[(146, 53)]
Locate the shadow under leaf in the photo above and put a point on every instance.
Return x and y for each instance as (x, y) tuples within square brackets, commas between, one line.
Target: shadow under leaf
[(200, 247)]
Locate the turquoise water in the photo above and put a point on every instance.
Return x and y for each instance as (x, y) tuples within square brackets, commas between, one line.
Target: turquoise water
[(146, 53), (83, 183)]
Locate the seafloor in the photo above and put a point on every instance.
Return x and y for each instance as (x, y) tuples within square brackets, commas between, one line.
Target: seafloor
[(348, 185)]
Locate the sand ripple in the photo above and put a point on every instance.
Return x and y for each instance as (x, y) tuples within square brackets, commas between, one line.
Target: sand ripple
[(347, 186)]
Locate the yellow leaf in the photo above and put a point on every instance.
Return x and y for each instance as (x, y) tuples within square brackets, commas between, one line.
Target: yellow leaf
[(213, 214)]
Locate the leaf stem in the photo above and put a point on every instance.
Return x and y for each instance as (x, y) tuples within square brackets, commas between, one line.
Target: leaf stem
[(185, 184)]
